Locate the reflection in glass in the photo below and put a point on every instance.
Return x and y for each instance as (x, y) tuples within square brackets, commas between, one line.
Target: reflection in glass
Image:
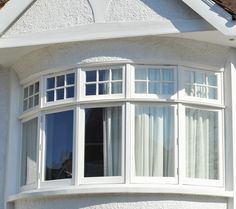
[(91, 76), (59, 140), (60, 94), (50, 83), (103, 133), (70, 79), (116, 74), (90, 89), (103, 75), (60, 80)]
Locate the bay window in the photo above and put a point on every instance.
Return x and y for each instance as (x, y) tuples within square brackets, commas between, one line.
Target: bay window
[(131, 124)]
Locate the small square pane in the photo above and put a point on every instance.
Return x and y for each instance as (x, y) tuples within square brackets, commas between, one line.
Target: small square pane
[(189, 90), (140, 74), (200, 91), (103, 88), (212, 93), (154, 88), (154, 75), (167, 88), (60, 94), (70, 92), (212, 80), (36, 87), (31, 102), (103, 75), (116, 74), (36, 100), (90, 89), (116, 88), (91, 76), (189, 77), (167, 75), (70, 79), (200, 78), (26, 92), (31, 90), (140, 87), (50, 96), (25, 105), (51, 83), (60, 80)]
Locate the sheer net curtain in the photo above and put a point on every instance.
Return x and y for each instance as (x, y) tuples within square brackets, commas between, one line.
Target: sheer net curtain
[(29, 152), (112, 135), (154, 141), (202, 144)]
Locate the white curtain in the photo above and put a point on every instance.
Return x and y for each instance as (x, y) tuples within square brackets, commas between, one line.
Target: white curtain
[(154, 141), (201, 144), (112, 134), (29, 152)]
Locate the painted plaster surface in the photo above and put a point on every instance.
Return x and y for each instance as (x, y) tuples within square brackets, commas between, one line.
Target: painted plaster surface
[(46, 15), (4, 113), (138, 50), (124, 202), (148, 10)]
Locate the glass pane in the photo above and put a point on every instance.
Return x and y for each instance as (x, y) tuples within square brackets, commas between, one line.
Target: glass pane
[(70, 79), (90, 89), (31, 90), (91, 76), (26, 92), (103, 75), (29, 152), (36, 100), (60, 94), (31, 102), (140, 74), (189, 77), (116, 74), (154, 75), (36, 87), (103, 88), (189, 90), (167, 88), (50, 96), (25, 105), (167, 75), (154, 141), (70, 92), (60, 80), (51, 83), (200, 78), (202, 146), (103, 147), (59, 141), (140, 87), (116, 88), (212, 93), (154, 88), (200, 91), (212, 80)]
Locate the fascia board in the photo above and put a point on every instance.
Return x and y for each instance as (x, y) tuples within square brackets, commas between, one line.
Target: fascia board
[(11, 11), (214, 14), (100, 31)]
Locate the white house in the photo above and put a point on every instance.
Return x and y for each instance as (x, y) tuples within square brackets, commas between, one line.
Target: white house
[(113, 104)]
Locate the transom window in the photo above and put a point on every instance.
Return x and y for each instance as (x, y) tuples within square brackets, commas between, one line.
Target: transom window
[(31, 96), (97, 137)]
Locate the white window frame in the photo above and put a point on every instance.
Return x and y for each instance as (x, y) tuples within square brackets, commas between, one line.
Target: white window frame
[(81, 135), (151, 180), (198, 181)]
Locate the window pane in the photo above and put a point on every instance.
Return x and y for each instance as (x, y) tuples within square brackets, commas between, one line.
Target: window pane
[(212, 93), (25, 105), (36, 87), (31, 90), (90, 89), (60, 80), (31, 102), (140, 74), (59, 140), (103, 88), (212, 80), (26, 93), (50, 83), (103, 134), (200, 78), (154, 88), (60, 94), (116, 88), (36, 100), (154, 74), (167, 88), (50, 96), (116, 74), (91, 76), (202, 146), (140, 87), (103, 75), (189, 77), (167, 75), (200, 91), (70, 79), (70, 92), (29, 152), (154, 141)]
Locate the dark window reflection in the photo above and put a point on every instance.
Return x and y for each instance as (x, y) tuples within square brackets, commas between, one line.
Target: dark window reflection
[(59, 140)]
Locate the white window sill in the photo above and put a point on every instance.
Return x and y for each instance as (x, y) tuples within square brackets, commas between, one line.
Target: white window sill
[(121, 189)]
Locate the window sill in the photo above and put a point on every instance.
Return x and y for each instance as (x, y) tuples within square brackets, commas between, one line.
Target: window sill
[(122, 189)]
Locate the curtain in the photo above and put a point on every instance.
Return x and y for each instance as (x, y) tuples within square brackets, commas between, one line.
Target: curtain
[(112, 135), (154, 141), (29, 152), (201, 144)]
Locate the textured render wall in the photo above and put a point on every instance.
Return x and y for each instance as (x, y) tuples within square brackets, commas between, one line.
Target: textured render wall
[(139, 50), (124, 202), (47, 15), (4, 119)]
